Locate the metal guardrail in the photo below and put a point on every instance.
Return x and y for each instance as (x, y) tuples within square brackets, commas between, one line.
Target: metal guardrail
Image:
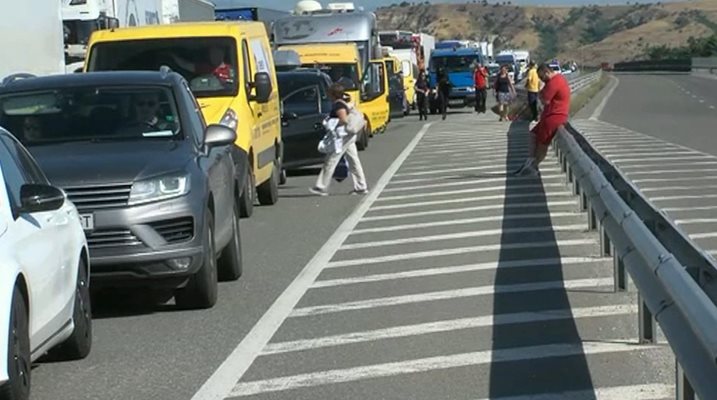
[(675, 279), (583, 81), (676, 65), (704, 64)]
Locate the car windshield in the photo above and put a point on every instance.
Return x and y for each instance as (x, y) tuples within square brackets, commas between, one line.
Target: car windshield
[(346, 74), (91, 114), (208, 64), (454, 63)]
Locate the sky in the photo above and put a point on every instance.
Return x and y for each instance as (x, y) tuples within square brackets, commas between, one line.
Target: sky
[(371, 4)]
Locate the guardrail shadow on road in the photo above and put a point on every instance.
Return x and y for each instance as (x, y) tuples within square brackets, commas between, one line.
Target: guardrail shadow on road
[(531, 376)]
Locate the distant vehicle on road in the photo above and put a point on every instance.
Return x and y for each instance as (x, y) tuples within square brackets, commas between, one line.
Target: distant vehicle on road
[(261, 14), (174, 11), (157, 190), (459, 65), (510, 60), (45, 274), (305, 104)]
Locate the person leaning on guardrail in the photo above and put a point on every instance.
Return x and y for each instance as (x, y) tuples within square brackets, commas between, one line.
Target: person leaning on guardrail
[(555, 97)]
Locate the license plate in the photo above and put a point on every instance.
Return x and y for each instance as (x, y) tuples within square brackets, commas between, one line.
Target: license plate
[(456, 102), (87, 221)]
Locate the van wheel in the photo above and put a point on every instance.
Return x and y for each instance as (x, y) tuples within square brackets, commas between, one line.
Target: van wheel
[(246, 200), (268, 192), (201, 290), (18, 352), (230, 261), (78, 345)]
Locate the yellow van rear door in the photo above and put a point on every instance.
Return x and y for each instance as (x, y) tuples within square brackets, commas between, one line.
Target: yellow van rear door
[(374, 95)]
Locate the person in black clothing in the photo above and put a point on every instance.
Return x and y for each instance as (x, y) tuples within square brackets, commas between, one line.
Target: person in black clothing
[(421, 95), (505, 92), (444, 91)]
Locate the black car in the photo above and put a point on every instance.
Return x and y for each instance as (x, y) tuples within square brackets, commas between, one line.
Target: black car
[(305, 104), (157, 189)]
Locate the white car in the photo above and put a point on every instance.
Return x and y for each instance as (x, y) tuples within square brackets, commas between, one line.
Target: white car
[(44, 272)]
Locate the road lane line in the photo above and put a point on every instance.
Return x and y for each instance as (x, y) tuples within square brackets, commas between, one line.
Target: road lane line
[(448, 270), (683, 209), (448, 326), (694, 221), (476, 166), (465, 235), (614, 82), (465, 191), (677, 188), (706, 235), (633, 392), (541, 204), (472, 199), (675, 171), (488, 178), (464, 221), (453, 170), (702, 163), (459, 250), (221, 382), (662, 180), (666, 198), (433, 364)]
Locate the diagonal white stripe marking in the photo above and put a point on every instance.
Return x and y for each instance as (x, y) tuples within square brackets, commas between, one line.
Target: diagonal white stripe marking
[(447, 326), (465, 235), (423, 272), (677, 188), (431, 364), (667, 198), (541, 205), (693, 221), (495, 218), (706, 235), (678, 209), (453, 170), (660, 159), (634, 392), (473, 199), (472, 190), (672, 171), (460, 250), (662, 180), (497, 177)]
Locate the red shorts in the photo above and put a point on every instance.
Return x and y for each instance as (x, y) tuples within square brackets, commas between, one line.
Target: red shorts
[(546, 129)]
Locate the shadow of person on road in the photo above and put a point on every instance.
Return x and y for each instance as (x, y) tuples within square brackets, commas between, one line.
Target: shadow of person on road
[(525, 346)]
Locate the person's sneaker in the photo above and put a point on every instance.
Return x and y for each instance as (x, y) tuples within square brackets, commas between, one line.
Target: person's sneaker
[(362, 191), (530, 171), (318, 191)]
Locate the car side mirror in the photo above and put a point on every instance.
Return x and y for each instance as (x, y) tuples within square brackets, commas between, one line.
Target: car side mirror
[(39, 198), (262, 86), (219, 135)]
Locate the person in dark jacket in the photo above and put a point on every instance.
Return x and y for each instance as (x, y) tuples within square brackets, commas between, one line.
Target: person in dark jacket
[(422, 89), (443, 90)]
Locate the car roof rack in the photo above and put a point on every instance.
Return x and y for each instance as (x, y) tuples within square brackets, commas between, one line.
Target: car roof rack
[(286, 60), (16, 77)]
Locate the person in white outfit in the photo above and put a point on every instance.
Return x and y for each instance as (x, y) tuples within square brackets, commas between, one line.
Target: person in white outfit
[(347, 147)]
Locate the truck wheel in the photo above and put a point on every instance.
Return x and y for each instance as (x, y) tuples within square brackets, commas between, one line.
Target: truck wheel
[(246, 200), (18, 351), (201, 290), (78, 345), (230, 261), (268, 192)]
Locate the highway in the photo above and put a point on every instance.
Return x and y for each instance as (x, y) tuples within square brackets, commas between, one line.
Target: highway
[(449, 281)]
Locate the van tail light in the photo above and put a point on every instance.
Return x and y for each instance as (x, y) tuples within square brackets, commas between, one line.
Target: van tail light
[(230, 119)]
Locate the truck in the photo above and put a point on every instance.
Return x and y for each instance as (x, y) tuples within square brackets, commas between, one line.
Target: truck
[(400, 44), (39, 53), (459, 64), (266, 15), (174, 11), (508, 58), (487, 49), (82, 17)]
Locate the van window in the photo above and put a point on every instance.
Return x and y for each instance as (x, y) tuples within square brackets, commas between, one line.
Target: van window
[(346, 74), (208, 64)]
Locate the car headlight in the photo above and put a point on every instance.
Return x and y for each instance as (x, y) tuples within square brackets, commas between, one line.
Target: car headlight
[(230, 119), (471, 89), (156, 189)]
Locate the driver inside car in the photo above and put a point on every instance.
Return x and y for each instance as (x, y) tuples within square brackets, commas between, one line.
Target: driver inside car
[(216, 66), (145, 107)]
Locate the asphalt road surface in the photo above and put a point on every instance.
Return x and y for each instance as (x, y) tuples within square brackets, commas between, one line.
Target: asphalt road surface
[(449, 281)]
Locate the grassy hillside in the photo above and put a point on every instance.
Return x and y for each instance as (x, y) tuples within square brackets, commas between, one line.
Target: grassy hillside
[(588, 34)]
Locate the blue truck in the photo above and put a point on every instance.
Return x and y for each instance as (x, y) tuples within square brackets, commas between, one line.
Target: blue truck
[(459, 64)]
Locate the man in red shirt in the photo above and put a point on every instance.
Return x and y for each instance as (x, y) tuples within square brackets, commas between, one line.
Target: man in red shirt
[(480, 78), (555, 97)]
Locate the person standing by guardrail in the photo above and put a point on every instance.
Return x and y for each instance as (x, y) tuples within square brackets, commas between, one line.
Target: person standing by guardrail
[(555, 97), (532, 86)]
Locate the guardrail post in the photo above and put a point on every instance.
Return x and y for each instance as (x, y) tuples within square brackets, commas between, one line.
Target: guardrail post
[(620, 273), (684, 389), (605, 244), (646, 322), (584, 205), (592, 219)]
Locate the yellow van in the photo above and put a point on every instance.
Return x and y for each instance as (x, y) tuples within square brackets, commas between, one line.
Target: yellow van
[(229, 67), (342, 63)]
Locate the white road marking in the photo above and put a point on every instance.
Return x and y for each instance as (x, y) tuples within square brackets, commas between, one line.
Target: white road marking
[(432, 364), (666, 198), (642, 157), (706, 235), (677, 188), (478, 166), (614, 82), (487, 178), (633, 392), (500, 167), (674, 171), (221, 382), (448, 270), (472, 190), (458, 164), (541, 204), (712, 107), (473, 199), (682, 209), (462, 183), (671, 165), (450, 295), (662, 180), (459, 250), (464, 221), (693, 221), (465, 235), (702, 101), (447, 326)]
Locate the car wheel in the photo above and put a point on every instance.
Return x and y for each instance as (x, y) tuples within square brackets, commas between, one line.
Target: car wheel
[(282, 177), (201, 290), (246, 200), (78, 345), (230, 261), (18, 352), (268, 192)]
